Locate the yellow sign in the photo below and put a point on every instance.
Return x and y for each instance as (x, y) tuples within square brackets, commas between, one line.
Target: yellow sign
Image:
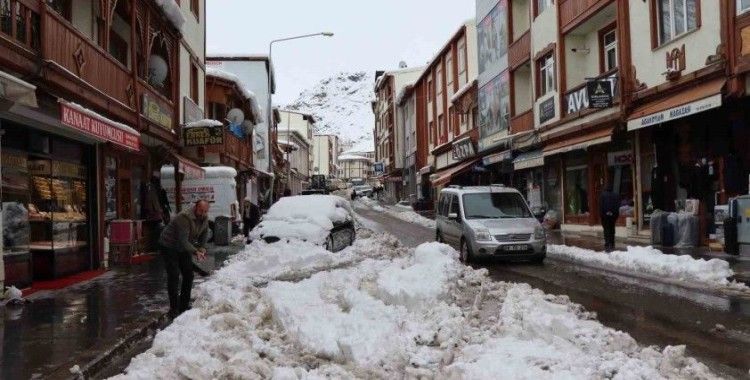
[(14, 161), (153, 110)]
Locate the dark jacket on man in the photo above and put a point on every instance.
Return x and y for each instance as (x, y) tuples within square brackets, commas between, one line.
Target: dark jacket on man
[(609, 204), (185, 233)]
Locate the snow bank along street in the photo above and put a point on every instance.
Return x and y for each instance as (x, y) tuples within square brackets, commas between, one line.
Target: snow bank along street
[(404, 214), (713, 274), (378, 310)]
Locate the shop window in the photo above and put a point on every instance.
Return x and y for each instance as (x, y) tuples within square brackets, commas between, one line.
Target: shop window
[(462, 59), (62, 7), (546, 74), (676, 17), (622, 184), (118, 48), (449, 70), (576, 190), (743, 6), (608, 49)]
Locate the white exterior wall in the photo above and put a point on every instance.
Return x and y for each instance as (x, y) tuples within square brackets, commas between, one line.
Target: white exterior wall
[(699, 44), (472, 55), (355, 169), (581, 65), (522, 88), (543, 33), (194, 36), (521, 15), (321, 156), (254, 75)]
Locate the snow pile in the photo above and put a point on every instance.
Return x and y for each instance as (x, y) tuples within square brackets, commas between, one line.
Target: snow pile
[(341, 106), (172, 11), (370, 203), (381, 311), (204, 123), (307, 218), (712, 273)]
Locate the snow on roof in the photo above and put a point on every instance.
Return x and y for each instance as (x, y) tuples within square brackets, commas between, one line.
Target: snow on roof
[(204, 123), (249, 95), (352, 157), (379, 81), (287, 143), (95, 115), (463, 90), (172, 11), (217, 56)]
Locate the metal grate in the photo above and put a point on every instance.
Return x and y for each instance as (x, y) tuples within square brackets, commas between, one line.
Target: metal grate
[(512, 237)]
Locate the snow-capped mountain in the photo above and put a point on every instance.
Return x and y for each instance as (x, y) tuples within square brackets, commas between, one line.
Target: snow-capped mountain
[(341, 106)]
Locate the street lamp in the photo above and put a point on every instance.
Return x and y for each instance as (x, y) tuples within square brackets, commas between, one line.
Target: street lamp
[(270, 70)]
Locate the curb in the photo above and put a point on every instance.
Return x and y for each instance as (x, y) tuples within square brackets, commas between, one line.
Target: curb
[(96, 365)]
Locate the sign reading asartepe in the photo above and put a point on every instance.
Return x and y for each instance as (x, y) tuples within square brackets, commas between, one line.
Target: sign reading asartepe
[(202, 136)]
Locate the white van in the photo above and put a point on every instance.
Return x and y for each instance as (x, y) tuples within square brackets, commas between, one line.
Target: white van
[(218, 187)]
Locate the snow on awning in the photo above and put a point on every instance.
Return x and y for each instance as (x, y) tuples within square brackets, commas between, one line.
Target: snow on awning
[(97, 126), (17, 91), (529, 160), (172, 11), (204, 123), (249, 95)]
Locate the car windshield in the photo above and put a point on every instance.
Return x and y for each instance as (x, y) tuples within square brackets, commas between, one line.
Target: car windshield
[(495, 206)]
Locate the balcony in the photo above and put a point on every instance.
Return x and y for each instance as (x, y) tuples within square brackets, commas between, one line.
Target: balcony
[(520, 51), (573, 12), (522, 123), (235, 151)]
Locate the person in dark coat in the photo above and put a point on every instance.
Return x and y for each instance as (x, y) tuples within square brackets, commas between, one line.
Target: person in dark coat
[(184, 237), (250, 217), (609, 211)]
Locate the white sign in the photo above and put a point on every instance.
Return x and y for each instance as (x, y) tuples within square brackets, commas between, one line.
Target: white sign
[(675, 113)]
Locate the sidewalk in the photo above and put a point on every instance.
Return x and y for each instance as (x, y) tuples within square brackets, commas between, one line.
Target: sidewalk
[(739, 264), (78, 324)]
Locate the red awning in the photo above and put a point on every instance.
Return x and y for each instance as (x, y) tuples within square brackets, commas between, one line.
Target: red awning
[(444, 176), (189, 168), (101, 128)]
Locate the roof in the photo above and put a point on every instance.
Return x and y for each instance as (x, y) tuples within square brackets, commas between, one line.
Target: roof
[(309, 117), (352, 157), (379, 81), (461, 29), (247, 58), (480, 189)]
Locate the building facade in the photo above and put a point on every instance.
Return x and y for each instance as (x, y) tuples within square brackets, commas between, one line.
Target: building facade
[(325, 155), (85, 132), (352, 165), (297, 151), (389, 130)]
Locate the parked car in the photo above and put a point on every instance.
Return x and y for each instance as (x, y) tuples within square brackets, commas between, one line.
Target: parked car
[(313, 192), (489, 221), (325, 220), (362, 190)]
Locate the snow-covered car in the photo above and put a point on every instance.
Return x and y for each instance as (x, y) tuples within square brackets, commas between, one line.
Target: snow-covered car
[(363, 191), (326, 220)]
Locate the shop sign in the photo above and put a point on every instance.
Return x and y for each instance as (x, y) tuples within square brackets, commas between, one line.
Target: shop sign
[(192, 112), (85, 122), (202, 136), (547, 110), (495, 158), (66, 169), (596, 94), (15, 162), (155, 111), (675, 113), (463, 149), (378, 168), (620, 158)]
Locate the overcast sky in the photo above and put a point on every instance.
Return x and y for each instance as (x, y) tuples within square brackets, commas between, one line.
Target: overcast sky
[(370, 35)]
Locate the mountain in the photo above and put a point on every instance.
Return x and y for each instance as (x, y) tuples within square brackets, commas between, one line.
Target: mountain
[(341, 106)]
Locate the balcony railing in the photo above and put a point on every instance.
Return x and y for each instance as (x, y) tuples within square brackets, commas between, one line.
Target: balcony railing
[(519, 51), (76, 53), (522, 123), (573, 12)]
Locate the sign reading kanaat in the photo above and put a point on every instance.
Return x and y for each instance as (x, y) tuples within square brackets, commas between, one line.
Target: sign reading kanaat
[(99, 128)]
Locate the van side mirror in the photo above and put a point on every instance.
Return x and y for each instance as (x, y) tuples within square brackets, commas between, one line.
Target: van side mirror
[(453, 216)]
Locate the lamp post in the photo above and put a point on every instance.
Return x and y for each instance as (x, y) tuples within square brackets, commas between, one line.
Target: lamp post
[(270, 71)]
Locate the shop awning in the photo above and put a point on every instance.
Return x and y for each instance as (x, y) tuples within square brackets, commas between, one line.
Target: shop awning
[(579, 142), (189, 168), (17, 91), (529, 160), (444, 176), (97, 126), (697, 99)]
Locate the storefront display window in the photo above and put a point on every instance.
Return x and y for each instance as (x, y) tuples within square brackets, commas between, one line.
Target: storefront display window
[(15, 190), (552, 188), (576, 190), (620, 173)]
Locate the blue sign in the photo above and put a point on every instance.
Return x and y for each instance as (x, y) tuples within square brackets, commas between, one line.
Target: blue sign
[(378, 167)]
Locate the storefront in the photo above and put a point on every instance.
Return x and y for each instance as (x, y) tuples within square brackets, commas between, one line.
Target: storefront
[(528, 178), (688, 148)]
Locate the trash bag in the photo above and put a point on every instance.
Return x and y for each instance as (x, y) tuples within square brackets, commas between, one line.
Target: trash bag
[(731, 245), (687, 231)]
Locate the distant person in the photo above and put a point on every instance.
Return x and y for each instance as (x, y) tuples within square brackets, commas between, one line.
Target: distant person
[(250, 217), (287, 193), (354, 194), (609, 211), (184, 237)]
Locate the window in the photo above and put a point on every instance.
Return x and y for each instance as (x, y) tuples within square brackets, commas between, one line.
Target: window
[(676, 17), (495, 206), (608, 49), (743, 6), (62, 7), (194, 83), (449, 71), (542, 5), (118, 48), (439, 79), (546, 74), (442, 132), (430, 91), (195, 8), (462, 56), (431, 131), (455, 208)]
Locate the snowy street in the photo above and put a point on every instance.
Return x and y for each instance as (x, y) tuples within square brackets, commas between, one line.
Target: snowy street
[(632, 305)]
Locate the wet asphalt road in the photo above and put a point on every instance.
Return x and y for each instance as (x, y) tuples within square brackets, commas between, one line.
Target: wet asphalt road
[(653, 313)]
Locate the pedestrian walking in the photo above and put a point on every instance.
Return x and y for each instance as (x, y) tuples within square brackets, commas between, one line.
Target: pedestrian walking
[(184, 237), (250, 217), (609, 211)]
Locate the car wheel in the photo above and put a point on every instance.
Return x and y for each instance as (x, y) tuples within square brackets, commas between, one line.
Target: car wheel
[(465, 252)]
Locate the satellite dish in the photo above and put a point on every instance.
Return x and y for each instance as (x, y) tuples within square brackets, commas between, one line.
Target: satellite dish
[(235, 116), (402, 65), (157, 70)]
